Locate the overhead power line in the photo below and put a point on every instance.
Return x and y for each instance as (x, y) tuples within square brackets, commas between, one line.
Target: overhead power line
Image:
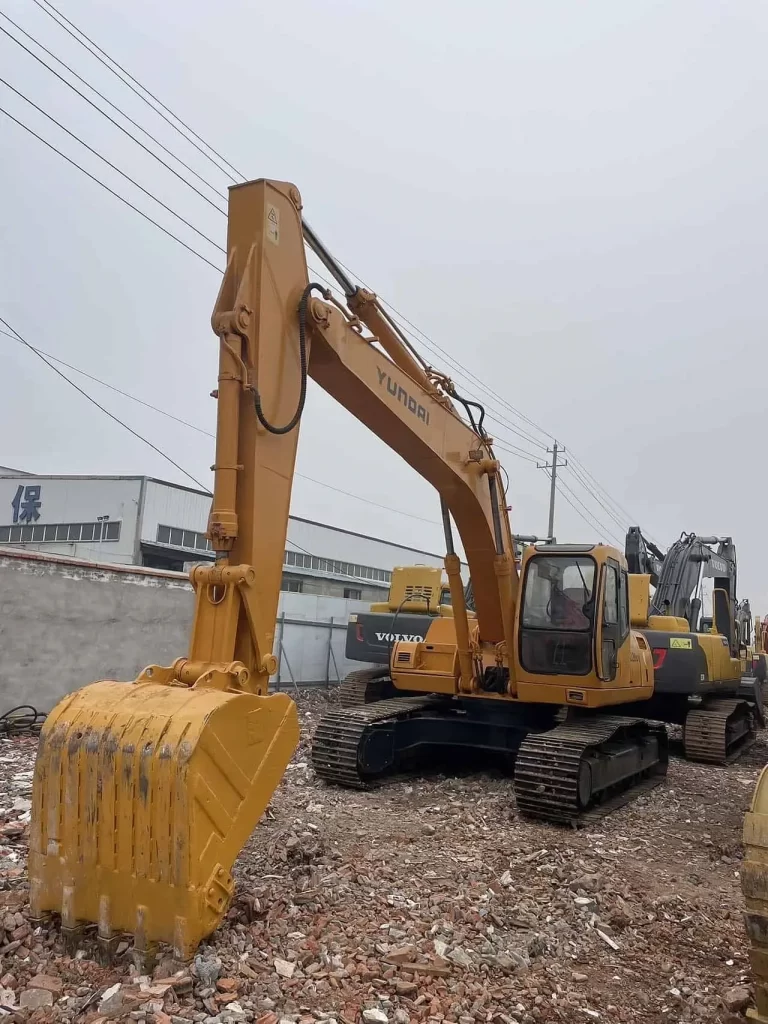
[(114, 167), (409, 328), (111, 191), (621, 523), (103, 113), (492, 414), (203, 147), (207, 433), (98, 405), (627, 517), (586, 514), (511, 449), (404, 323), (426, 339), (108, 101)]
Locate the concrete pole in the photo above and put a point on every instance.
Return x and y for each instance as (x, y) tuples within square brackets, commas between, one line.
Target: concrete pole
[(553, 478)]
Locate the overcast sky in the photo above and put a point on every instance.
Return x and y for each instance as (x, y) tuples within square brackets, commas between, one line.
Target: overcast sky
[(569, 199)]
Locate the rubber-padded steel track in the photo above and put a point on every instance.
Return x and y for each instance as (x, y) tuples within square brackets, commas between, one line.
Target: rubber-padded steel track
[(719, 731), (365, 687), (340, 735), (553, 778)]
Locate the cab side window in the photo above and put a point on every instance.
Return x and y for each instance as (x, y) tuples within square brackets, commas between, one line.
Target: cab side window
[(611, 604), (623, 605)]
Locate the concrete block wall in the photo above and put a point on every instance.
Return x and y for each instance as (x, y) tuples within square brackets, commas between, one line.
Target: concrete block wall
[(65, 623)]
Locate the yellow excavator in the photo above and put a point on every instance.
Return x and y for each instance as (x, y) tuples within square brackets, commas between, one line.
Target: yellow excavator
[(145, 792), (416, 594), (754, 886), (754, 645)]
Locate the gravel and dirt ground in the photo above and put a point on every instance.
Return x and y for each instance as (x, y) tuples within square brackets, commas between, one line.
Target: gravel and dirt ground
[(428, 899)]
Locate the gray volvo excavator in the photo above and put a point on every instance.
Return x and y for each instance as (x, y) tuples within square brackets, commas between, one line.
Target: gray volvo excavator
[(697, 659)]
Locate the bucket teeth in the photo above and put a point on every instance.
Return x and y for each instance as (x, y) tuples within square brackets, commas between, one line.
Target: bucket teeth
[(143, 796), (73, 937), (107, 949)]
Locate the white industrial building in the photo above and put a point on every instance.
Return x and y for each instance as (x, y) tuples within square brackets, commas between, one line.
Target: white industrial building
[(138, 520)]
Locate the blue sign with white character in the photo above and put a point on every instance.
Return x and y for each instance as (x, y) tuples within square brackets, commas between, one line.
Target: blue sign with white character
[(27, 503)]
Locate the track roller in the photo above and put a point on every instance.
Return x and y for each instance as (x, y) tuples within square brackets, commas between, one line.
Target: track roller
[(582, 770), (719, 731)]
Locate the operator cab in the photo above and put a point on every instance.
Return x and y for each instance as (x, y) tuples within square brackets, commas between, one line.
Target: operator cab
[(563, 604)]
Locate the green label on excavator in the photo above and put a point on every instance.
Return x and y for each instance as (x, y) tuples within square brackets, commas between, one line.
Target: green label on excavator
[(681, 643)]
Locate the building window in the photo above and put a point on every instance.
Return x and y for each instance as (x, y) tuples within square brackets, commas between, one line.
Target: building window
[(291, 586), (331, 566), (190, 540), (353, 593), (60, 533)]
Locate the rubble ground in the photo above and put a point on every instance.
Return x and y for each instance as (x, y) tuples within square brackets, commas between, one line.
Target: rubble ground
[(427, 899)]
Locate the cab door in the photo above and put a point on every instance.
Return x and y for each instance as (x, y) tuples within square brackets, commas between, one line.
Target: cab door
[(612, 622), (724, 619)]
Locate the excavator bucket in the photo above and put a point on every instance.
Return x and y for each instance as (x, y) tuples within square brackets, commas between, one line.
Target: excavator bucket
[(143, 795), (754, 885)]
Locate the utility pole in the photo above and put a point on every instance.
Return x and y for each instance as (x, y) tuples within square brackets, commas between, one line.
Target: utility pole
[(552, 469)]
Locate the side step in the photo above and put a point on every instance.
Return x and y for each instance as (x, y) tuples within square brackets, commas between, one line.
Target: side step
[(580, 771), (719, 732)]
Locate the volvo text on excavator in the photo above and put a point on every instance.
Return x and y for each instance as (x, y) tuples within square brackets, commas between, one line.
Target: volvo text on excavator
[(697, 660), (144, 792)]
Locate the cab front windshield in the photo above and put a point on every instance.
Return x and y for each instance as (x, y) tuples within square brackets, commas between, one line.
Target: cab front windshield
[(559, 593), (558, 614)]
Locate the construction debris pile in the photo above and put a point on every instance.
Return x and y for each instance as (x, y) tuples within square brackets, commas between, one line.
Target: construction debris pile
[(425, 900)]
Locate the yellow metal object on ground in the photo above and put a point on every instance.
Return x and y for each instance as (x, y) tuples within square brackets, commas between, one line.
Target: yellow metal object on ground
[(144, 794), (754, 885)]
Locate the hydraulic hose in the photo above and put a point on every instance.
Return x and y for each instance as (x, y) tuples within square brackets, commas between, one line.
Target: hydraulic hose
[(288, 427)]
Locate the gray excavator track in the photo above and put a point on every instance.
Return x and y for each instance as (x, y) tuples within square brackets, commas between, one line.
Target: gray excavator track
[(719, 731), (580, 771)]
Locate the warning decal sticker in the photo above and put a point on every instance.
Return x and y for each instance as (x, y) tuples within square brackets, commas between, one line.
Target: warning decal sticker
[(273, 224), (681, 643)]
